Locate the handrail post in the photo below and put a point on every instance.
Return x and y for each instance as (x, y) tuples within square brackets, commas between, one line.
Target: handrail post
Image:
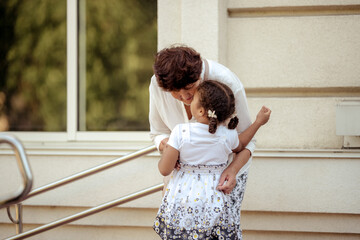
[(19, 218)]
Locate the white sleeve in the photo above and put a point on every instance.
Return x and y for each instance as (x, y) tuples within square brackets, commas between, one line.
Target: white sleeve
[(175, 138), (226, 76), (234, 143), (244, 117), (158, 129)]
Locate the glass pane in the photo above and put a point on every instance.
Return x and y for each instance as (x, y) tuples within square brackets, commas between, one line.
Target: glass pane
[(33, 65), (117, 43)]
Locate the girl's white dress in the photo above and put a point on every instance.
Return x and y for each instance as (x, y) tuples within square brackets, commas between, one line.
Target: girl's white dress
[(192, 208)]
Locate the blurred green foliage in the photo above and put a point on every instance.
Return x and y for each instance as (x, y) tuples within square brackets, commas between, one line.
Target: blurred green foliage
[(33, 65), (120, 44)]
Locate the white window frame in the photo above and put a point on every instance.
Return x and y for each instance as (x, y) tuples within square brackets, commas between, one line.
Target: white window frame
[(72, 134)]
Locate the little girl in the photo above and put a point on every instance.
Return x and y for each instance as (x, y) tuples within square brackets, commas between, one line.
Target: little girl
[(192, 207)]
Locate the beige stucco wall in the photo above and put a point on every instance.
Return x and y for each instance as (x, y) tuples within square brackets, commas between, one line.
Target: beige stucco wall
[(290, 193), (300, 65), (281, 181), (314, 51)]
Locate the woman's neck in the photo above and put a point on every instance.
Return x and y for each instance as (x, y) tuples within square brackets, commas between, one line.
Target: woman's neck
[(188, 111)]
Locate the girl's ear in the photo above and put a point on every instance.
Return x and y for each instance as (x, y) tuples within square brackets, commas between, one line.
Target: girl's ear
[(202, 111)]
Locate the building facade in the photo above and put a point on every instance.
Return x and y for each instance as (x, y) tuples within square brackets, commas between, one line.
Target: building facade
[(301, 59)]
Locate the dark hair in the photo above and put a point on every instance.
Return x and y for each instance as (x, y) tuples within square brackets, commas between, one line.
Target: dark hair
[(176, 67), (216, 96)]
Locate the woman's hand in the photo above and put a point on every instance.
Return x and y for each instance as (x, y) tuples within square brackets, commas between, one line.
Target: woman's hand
[(227, 180)]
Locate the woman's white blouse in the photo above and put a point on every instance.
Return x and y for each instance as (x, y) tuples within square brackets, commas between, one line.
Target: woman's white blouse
[(166, 112)]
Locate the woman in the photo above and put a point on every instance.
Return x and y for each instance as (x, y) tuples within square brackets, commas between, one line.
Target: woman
[(178, 72)]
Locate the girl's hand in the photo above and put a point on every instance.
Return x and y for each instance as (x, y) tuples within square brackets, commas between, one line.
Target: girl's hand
[(163, 144), (263, 116)]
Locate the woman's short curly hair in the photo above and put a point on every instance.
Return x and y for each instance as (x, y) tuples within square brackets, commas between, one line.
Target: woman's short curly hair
[(176, 67)]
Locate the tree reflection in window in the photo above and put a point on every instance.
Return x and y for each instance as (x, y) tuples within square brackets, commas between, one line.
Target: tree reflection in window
[(33, 65), (120, 40)]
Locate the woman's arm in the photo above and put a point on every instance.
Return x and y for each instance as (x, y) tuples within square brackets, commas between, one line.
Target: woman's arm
[(168, 160), (244, 117), (228, 177), (159, 131)]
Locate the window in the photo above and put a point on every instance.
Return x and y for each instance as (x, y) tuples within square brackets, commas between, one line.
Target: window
[(33, 65), (117, 45), (72, 68)]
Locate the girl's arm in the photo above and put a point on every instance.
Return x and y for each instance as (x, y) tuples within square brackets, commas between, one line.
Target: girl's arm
[(168, 160), (246, 136)]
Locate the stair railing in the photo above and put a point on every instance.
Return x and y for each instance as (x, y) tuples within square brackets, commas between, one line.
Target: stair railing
[(27, 194), (24, 168), (27, 178)]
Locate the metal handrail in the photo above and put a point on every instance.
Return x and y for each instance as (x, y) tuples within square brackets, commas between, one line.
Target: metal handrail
[(78, 176), (88, 212), (25, 171), (91, 171)]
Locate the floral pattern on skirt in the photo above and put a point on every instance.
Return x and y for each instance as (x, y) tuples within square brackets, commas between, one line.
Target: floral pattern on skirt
[(192, 208), (237, 196)]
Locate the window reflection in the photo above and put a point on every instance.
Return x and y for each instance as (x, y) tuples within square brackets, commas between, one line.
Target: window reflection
[(33, 65), (117, 43)]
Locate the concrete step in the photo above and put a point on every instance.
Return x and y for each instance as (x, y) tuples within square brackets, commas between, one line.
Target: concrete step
[(134, 223)]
